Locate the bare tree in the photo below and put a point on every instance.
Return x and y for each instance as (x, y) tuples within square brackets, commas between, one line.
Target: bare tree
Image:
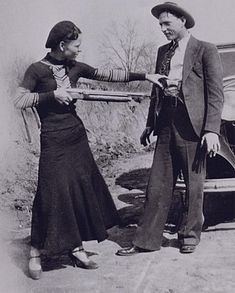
[(124, 47)]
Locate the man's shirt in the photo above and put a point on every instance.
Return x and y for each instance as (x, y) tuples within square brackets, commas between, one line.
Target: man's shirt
[(177, 61)]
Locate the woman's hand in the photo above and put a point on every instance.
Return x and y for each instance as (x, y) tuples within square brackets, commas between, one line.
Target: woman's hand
[(62, 96), (154, 78), (211, 142)]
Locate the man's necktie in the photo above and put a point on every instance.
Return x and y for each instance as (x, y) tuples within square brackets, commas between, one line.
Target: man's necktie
[(165, 65)]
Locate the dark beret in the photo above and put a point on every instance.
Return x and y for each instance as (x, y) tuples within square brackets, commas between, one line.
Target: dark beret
[(62, 31)]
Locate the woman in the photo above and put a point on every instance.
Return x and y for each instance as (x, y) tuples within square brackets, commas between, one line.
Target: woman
[(72, 202)]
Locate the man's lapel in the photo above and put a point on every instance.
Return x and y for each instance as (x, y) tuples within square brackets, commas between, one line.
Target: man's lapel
[(191, 52)]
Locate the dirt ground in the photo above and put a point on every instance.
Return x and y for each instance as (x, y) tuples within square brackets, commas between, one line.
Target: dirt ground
[(211, 269)]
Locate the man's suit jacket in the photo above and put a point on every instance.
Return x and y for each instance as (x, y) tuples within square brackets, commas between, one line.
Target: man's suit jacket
[(202, 87)]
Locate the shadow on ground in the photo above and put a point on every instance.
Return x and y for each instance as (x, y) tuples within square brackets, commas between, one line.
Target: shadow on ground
[(137, 180), (130, 215), (218, 207)]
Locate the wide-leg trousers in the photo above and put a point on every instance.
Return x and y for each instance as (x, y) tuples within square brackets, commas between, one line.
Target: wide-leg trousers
[(177, 149)]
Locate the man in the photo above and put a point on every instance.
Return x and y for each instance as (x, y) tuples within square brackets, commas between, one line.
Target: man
[(185, 115)]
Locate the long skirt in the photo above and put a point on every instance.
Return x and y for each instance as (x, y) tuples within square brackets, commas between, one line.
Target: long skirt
[(72, 202)]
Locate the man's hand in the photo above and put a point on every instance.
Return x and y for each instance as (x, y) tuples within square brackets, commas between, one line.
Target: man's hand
[(211, 142), (145, 136), (154, 78), (62, 96)]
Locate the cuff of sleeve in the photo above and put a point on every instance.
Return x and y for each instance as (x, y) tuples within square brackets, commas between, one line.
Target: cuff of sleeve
[(136, 76), (212, 131), (46, 97)]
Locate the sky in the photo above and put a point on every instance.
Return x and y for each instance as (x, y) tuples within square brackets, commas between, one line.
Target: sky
[(25, 24)]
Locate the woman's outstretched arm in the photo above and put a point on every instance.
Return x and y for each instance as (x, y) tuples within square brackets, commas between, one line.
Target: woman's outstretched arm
[(114, 75)]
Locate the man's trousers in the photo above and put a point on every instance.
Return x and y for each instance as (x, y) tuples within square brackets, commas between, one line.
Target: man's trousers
[(177, 149)]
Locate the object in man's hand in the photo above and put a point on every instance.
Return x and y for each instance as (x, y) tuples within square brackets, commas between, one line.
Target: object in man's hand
[(145, 137)]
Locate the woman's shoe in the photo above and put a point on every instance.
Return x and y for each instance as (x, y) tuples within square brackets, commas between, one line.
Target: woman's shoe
[(35, 268), (77, 262)]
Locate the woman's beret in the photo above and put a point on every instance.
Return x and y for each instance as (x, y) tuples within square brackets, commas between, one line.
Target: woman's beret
[(62, 31)]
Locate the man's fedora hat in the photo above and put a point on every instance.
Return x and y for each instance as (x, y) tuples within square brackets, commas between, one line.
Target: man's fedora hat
[(175, 9)]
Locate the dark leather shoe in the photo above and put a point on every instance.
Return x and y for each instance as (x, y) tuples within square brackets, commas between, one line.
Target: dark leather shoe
[(128, 251), (187, 248)]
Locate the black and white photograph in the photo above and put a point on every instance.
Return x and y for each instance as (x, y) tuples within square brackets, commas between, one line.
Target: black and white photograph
[(117, 146)]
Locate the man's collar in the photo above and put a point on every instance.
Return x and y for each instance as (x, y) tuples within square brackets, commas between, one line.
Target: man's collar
[(184, 41)]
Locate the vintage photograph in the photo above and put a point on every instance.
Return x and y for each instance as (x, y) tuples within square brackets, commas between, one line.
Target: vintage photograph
[(117, 146)]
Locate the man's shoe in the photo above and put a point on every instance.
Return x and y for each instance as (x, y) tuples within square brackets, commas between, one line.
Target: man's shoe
[(128, 251), (187, 248)]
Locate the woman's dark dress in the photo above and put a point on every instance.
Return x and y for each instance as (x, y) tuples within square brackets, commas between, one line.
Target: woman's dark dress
[(72, 202)]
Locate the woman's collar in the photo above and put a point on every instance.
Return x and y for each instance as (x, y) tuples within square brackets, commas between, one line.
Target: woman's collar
[(55, 61)]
